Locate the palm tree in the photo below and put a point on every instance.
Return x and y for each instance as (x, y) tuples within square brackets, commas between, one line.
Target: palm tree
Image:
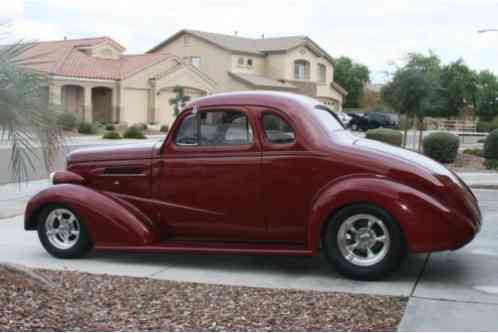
[(27, 121), (179, 100)]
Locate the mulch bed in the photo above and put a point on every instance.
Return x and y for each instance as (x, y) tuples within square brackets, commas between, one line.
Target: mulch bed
[(468, 163), (80, 301)]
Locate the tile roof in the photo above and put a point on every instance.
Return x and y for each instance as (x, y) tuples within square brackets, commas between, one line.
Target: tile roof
[(260, 81), (65, 58)]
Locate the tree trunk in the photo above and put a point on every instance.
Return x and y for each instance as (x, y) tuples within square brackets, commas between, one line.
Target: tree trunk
[(421, 133)]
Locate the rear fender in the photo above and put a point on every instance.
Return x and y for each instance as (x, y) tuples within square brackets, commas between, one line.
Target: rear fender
[(422, 219), (109, 220)]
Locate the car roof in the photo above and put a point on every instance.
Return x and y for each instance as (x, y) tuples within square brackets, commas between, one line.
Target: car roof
[(262, 98)]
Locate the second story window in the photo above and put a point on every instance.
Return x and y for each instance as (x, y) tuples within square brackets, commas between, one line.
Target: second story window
[(301, 70), (249, 62), (322, 73), (196, 61), (240, 61)]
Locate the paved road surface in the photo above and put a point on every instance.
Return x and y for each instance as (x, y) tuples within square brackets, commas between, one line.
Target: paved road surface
[(447, 291)]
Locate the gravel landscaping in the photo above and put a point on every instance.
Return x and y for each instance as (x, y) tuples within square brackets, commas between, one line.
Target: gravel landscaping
[(79, 301)]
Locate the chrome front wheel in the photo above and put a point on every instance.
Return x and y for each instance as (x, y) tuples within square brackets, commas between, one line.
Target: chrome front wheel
[(62, 233), (62, 228)]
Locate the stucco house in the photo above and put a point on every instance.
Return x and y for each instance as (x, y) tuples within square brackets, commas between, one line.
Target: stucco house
[(236, 63), (95, 79)]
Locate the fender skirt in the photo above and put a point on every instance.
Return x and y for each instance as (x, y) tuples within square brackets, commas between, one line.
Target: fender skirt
[(109, 220)]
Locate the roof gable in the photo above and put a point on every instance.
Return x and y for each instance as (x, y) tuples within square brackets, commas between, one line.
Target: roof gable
[(260, 46)]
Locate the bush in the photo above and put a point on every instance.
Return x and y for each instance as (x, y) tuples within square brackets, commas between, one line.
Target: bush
[(112, 135), (87, 128), (68, 121), (441, 146), (110, 127), (164, 128), (491, 146), (491, 164), (487, 126), (134, 133), (141, 126), (386, 135), (475, 151)]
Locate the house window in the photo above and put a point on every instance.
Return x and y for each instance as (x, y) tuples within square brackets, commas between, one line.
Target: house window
[(249, 62), (196, 61), (240, 61), (322, 73), (301, 70)]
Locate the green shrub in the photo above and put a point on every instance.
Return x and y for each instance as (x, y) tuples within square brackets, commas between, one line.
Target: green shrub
[(134, 133), (491, 164), (110, 127), (141, 126), (112, 135), (68, 121), (487, 126), (386, 135), (473, 151), (164, 128), (491, 146), (87, 128), (441, 146)]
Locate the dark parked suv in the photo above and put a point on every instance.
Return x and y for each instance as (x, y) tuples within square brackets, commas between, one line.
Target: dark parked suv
[(372, 120)]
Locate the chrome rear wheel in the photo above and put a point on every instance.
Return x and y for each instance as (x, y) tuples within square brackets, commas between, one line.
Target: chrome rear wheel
[(363, 240)]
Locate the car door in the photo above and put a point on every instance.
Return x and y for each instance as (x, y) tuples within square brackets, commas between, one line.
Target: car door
[(285, 178), (209, 185)]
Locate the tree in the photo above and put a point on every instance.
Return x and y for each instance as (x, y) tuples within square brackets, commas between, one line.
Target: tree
[(487, 101), (26, 118), (179, 100), (460, 88), (352, 77), (414, 89)]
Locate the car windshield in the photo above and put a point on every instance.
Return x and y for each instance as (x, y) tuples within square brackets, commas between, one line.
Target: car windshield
[(328, 119)]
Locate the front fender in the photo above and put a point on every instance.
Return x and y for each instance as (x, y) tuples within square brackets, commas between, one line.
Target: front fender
[(424, 221), (109, 220)]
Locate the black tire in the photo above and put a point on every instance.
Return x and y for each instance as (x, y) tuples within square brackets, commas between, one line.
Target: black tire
[(81, 247), (390, 261)]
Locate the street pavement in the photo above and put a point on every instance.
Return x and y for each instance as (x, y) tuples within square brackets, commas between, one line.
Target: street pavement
[(447, 291)]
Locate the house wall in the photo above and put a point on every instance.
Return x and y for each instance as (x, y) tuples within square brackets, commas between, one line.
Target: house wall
[(106, 51), (135, 106), (215, 61), (258, 67)]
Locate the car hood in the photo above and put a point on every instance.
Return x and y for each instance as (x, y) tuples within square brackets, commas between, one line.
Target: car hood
[(406, 156), (137, 151)]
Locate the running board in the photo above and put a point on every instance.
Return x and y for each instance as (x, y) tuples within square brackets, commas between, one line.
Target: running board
[(218, 248)]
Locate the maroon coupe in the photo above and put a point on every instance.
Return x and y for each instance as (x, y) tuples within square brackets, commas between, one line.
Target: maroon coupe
[(261, 173)]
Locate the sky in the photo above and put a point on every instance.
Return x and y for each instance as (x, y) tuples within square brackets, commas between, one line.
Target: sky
[(377, 33)]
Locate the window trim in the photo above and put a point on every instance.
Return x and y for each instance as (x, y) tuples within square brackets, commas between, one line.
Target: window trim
[(306, 69), (321, 66), (266, 141), (199, 146)]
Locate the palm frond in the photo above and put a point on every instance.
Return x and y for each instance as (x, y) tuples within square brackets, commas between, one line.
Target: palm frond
[(27, 121)]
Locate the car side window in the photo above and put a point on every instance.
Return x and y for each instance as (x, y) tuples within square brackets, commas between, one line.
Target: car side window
[(222, 128), (276, 129), (186, 135)]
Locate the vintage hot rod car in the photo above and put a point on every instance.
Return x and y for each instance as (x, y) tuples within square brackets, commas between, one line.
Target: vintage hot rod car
[(257, 173)]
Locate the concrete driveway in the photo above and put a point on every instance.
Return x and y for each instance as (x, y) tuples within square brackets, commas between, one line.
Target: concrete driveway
[(447, 291)]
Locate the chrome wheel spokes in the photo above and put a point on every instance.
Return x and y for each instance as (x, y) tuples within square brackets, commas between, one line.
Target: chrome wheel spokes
[(363, 240), (62, 228)]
